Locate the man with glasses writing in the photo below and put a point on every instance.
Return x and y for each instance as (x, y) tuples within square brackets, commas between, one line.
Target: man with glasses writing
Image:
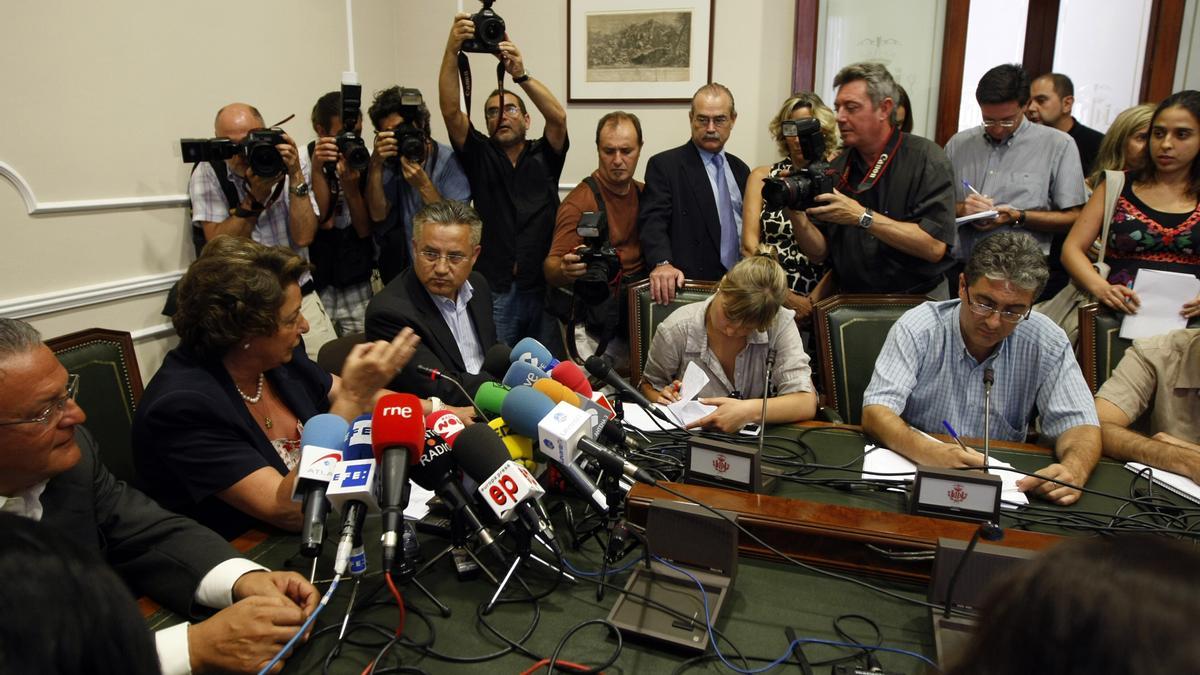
[(690, 217), (446, 303), (514, 184), (932, 367), (1028, 173)]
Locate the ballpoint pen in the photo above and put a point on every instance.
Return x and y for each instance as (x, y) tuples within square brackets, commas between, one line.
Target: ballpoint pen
[(971, 187), (952, 432)]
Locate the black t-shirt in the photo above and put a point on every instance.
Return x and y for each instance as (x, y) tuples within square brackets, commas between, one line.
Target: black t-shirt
[(1087, 140), (517, 204), (917, 186)]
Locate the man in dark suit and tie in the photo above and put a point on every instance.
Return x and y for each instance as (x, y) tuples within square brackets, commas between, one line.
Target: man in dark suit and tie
[(50, 472), (444, 301), (691, 211)]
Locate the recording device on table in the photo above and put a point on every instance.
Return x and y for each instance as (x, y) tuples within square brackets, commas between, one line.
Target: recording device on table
[(258, 148), (797, 191)]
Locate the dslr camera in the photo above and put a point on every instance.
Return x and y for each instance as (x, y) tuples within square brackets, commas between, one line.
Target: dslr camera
[(349, 143), (797, 191), (409, 135), (258, 149), (489, 31), (603, 265)]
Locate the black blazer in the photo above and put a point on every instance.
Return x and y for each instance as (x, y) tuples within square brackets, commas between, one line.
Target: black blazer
[(404, 302), (156, 552), (677, 219)]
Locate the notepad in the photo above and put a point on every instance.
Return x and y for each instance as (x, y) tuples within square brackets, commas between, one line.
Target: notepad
[(1180, 485), (886, 465), (977, 217)]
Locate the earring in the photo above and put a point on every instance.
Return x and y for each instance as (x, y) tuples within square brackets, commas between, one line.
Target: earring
[(246, 346)]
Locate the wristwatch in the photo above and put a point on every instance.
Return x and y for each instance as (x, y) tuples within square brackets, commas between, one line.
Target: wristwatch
[(1021, 218), (523, 78), (865, 220), (300, 190)]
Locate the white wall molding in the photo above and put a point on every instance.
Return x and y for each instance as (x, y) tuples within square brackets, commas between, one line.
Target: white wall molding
[(87, 296), (34, 208)]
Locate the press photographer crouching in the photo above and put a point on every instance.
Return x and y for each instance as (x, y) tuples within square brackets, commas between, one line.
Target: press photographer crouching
[(596, 252), (407, 171)]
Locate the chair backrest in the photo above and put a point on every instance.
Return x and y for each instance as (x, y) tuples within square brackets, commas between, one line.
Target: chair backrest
[(332, 355), (1100, 343), (110, 387), (850, 332), (645, 315)]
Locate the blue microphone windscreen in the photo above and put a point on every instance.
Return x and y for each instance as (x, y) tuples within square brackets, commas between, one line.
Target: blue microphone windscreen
[(533, 352), (358, 439), (527, 407), (521, 373), (324, 431)]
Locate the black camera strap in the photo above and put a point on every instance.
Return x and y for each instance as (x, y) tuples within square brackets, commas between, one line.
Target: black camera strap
[(881, 165), (331, 179), (464, 76), (595, 186)]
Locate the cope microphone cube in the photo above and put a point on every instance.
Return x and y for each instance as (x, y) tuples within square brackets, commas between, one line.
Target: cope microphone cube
[(508, 487), (559, 431)]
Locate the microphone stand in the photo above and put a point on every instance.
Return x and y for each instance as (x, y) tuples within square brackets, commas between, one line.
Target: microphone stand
[(459, 545), (762, 423), (988, 530), (989, 376), (524, 554)]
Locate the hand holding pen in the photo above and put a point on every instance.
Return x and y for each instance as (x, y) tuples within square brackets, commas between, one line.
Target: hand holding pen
[(965, 456)]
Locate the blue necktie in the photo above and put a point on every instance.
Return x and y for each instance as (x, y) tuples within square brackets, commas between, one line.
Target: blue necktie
[(731, 246)]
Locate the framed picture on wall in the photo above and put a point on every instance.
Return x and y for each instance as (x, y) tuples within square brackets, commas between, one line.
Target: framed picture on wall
[(652, 51)]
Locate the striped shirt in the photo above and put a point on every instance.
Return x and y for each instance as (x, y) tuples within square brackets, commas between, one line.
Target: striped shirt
[(925, 375), (458, 319)]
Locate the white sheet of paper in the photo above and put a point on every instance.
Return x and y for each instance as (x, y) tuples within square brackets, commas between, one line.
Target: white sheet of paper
[(694, 379), (976, 217), (686, 412), (1162, 294), (886, 465), (1181, 485)]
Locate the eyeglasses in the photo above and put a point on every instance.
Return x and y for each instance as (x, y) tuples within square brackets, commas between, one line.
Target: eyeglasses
[(1003, 124), (53, 411), (985, 311), (452, 259), (512, 110), (704, 120)]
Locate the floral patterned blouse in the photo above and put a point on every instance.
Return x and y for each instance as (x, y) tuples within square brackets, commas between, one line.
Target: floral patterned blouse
[(1141, 237)]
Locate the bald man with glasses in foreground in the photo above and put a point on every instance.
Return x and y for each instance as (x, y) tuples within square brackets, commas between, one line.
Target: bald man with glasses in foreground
[(932, 369)]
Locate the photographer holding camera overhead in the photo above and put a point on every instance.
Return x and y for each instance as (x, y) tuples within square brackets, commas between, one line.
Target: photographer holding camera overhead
[(251, 181), (888, 226), (408, 171), (514, 181), (596, 250)]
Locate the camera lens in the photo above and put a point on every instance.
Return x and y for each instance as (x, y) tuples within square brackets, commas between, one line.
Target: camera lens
[(794, 192), (492, 31), (265, 161)]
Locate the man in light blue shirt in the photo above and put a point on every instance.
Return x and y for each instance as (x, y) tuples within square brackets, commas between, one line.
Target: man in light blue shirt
[(932, 368)]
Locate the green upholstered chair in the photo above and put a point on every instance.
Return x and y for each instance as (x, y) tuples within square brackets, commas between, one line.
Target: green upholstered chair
[(110, 387), (850, 331), (645, 315), (1100, 343)]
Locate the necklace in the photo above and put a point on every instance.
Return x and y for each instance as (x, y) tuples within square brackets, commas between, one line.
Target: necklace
[(257, 394)]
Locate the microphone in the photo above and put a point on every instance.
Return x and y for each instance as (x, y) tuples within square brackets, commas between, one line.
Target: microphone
[(520, 448), (988, 530), (496, 360), (534, 353), (558, 430), (989, 376), (520, 373), (321, 450), (615, 463), (489, 396), (352, 493), (600, 368), (762, 423), (435, 374), (508, 489), (445, 424), (436, 471), (572, 377), (602, 426), (397, 437)]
